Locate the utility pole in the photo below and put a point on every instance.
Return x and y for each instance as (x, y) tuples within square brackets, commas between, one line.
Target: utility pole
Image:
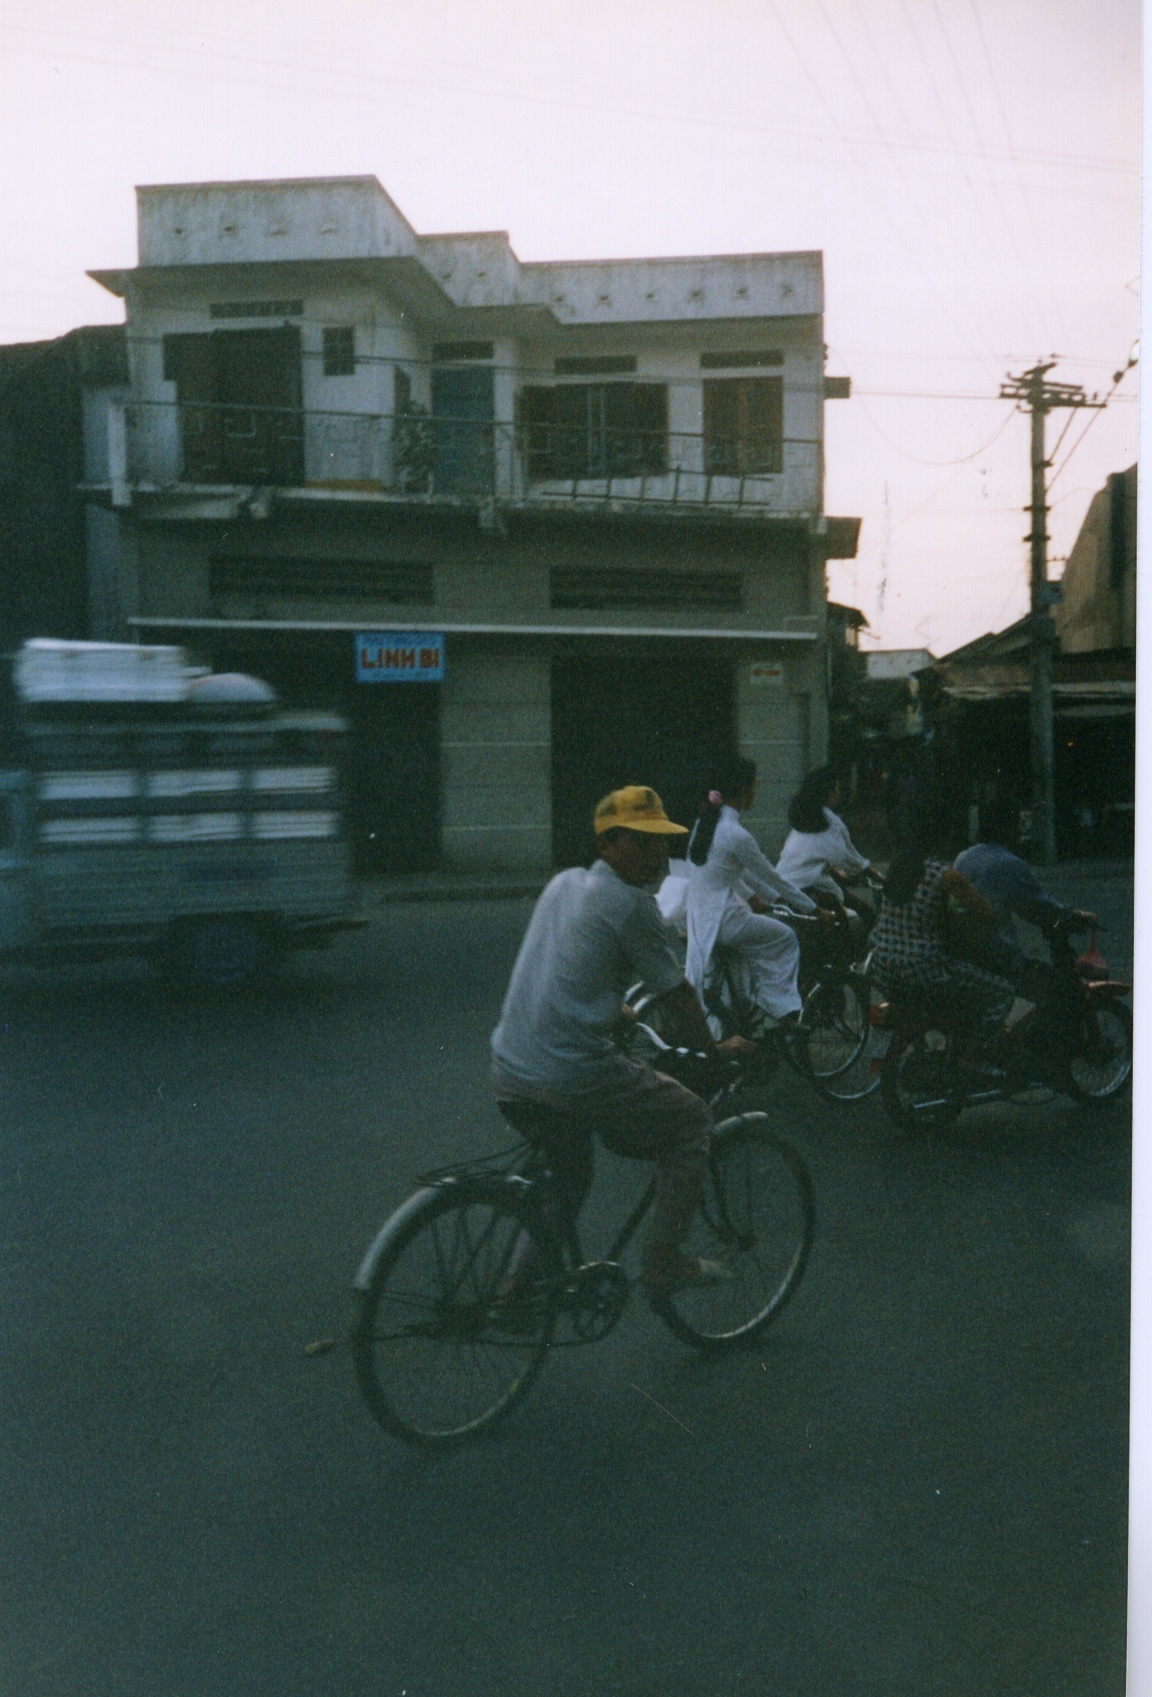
[(1039, 398)]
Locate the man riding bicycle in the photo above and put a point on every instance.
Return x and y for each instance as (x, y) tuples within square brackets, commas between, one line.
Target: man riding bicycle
[(593, 932)]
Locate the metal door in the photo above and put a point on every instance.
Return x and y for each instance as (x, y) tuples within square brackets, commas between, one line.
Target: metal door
[(394, 777), (463, 407), (633, 720)]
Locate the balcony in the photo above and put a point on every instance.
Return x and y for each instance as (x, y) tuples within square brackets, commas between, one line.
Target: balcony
[(207, 460)]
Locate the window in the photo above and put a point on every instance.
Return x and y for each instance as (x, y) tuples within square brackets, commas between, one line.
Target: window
[(401, 390), (238, 394), (340, 351), (579, 430), (743, 425), (748, 359)]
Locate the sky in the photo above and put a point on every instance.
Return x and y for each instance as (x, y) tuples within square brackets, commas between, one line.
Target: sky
[(969, 168)]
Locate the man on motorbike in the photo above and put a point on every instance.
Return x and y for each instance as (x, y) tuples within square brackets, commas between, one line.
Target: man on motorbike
[(1010, 887)]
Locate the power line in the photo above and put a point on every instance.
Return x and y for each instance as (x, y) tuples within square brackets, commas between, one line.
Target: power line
[(1038, 396), (510, 91), (1120, 375), (879, 128), (1026, 274), (961, 459)]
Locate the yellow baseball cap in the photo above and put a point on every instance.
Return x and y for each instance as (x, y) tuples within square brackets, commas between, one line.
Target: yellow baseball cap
[(635, 808)]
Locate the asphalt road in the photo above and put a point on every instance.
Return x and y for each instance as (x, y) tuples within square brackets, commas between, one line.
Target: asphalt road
[(915, 1485)]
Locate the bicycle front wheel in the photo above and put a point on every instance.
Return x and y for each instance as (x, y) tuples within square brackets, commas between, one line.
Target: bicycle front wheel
[(757, 1217), (456, 1306)]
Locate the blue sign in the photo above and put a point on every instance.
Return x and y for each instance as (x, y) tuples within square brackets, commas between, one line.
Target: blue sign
[(398, 657)]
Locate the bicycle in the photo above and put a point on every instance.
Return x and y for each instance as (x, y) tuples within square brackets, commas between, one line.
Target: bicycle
[(462, 1293), (835, 1043)]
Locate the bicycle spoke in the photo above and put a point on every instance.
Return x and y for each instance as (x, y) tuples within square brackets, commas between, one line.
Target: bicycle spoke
[(439, 1352), (758, 1222)]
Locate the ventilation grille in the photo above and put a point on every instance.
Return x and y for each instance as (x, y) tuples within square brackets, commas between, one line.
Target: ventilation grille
[(741, 359), (595, 365), (597, 590), (256, 309), (343, 580)]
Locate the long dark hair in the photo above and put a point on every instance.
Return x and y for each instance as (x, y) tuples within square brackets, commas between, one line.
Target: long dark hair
[(904, 875), (806, 809), (730, 777)]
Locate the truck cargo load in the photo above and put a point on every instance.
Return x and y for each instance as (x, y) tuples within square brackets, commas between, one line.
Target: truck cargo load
[(155, 805)]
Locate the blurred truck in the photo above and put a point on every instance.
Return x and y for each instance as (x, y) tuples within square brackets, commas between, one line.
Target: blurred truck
[(150, 806)]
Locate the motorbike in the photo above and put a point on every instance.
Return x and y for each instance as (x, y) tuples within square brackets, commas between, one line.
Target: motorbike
[(1077, 1041)]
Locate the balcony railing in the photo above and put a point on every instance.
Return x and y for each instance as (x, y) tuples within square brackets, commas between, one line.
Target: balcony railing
[(413, 456)]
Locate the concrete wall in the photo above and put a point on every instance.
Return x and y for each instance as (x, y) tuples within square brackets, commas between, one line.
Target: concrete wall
[(332, 218), (252, 242), (348, 420), (478, 578), (774, 727), (496, 751)]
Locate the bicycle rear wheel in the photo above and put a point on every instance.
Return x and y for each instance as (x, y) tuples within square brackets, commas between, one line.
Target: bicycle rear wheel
[(450, 1328), (757, 1217), (860, 1076), (833, 1026)]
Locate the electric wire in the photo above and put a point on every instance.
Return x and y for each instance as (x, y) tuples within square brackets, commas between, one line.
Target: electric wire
[(678, 115), (1026, 274), (961, 459), (1096, 411), (932, 239)]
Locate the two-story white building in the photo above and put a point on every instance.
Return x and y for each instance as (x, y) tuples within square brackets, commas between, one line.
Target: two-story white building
[(537, 529)]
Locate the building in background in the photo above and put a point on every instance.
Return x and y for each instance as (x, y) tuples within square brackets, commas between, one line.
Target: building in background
[(58, 549), (982, 710), (537, 529), (1096, 613), (846, 670)]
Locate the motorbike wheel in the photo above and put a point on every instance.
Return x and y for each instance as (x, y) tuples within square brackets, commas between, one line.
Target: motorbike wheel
[(1102, 1063), (920, 1083)]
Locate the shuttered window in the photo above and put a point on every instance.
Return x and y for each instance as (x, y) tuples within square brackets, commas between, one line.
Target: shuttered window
[(582, 430), (743, 425), (238, 392)]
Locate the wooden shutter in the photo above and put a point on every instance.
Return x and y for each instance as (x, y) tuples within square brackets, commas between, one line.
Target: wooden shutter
[(762, 423), (743, 425), (650, 403), (570, 430), (721, 424), (188, 364), (536, 416)]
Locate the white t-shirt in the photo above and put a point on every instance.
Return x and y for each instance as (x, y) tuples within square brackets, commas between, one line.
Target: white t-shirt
[(591, 936), (807, 855)]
